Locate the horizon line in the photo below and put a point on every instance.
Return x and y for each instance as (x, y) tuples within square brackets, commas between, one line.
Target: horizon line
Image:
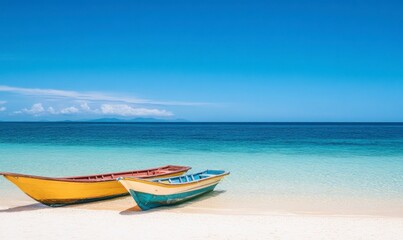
[(162, 121)]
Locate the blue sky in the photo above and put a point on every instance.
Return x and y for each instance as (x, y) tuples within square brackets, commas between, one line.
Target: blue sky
[(202, 60)]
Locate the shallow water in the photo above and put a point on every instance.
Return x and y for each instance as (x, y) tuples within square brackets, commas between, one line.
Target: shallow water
[(296, 167)]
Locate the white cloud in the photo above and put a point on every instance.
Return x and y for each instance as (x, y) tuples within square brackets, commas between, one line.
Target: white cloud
[(36, 109), (2, 108), (69, 110), (84, 106), (89, 96), (105, 109), (126, 110), (51, 110)]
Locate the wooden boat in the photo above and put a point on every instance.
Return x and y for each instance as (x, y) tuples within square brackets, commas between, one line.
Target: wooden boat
[(70, 190), (167, 191)]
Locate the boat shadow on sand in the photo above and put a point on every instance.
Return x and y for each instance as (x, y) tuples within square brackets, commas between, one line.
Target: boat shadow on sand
[(137, 211), (30, 207), (129, 211)]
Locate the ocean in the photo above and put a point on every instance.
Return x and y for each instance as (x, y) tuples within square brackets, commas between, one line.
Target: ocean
[(291, 167)]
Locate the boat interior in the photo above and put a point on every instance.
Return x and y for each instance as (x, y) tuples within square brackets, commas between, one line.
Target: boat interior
[(138, 174), (190, 177)]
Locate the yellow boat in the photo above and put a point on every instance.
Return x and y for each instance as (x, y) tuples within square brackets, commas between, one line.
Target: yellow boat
[(56, 192)]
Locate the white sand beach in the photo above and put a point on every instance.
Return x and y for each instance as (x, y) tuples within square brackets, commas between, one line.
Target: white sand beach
[(34, 221), (67, 223), (213, 216)]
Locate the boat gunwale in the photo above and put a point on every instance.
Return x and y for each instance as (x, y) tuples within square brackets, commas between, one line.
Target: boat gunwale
[(72, 178), (145, 181)]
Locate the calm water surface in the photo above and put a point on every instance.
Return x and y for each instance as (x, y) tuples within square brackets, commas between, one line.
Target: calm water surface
[(316, 161)]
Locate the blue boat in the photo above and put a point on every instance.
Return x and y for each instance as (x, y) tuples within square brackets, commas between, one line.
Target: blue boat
[(168, 191)]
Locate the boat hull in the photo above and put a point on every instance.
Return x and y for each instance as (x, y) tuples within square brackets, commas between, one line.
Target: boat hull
[(57, 193), (148, 201)]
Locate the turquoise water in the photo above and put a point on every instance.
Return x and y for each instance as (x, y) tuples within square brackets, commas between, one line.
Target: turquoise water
[(317, 161)]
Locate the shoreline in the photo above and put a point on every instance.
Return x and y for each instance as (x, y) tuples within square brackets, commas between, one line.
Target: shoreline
[(203, 205), (221, 202)]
